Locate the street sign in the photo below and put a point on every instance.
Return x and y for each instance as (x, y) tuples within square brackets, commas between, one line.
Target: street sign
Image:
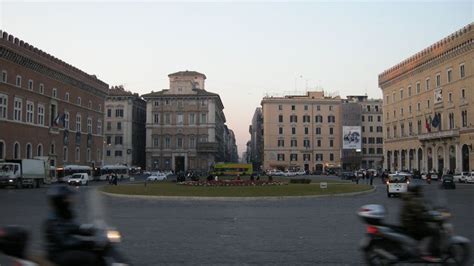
[(323, 185)]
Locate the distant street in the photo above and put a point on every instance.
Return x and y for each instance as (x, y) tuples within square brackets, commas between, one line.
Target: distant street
[(284, 232)]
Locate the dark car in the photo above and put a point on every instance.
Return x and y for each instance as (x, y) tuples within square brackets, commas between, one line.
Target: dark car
[(347, 176), (448, 182)]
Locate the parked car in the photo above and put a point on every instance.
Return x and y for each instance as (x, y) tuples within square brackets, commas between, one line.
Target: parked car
[(470, 178), (447, 181), (156, 177), (301, 172), (275, 173), (347, 176), (79, 179), (461, 177), (434, 176), (289, 173)]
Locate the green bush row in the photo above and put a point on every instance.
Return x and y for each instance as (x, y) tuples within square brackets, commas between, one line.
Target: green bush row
[(300, 181)]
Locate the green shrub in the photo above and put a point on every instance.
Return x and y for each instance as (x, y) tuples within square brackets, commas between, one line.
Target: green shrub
[(300, 181)]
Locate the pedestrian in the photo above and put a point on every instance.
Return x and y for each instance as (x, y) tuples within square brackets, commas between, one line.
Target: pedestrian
[(115, 179), (371, 177)]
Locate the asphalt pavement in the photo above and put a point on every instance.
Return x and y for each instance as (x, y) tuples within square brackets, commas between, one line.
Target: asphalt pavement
[(323, 231)]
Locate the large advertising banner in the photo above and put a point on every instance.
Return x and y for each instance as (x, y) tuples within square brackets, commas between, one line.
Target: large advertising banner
[(351, 137)]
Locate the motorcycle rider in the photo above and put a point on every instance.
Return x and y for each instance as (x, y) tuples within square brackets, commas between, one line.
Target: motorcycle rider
[(67, 243), (416, 221)]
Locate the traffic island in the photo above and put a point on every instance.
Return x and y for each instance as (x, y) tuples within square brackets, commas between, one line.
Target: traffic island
[(169, 190)]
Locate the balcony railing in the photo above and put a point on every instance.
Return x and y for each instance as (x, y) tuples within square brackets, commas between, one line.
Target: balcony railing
[(207, 147), (439, 135)]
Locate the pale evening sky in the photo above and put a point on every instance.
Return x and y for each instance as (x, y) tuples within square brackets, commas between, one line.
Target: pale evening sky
[(245, 49)]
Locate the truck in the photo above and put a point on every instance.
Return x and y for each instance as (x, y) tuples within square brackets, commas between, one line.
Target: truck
[(22, 173)]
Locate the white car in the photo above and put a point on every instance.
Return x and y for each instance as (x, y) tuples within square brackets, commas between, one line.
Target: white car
[(434, 176), (470, 178), (79, 179), (275, 173), (156, 177), (397, 184), (289, 173), (301, 172), (461, 177)]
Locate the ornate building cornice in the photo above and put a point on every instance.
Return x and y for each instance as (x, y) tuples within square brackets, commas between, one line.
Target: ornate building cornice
[(26, 62)]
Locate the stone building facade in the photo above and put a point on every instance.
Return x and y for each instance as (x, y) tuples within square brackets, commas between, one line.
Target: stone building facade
[(124, 133), (48, 108), (185, 127), (428, 107), (255, 151), (302, 132)]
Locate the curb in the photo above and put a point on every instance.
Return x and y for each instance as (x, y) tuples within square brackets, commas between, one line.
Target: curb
[(184, 198)]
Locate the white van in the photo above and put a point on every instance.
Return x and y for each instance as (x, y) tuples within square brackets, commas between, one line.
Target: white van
[(79, 179), (397, 184)]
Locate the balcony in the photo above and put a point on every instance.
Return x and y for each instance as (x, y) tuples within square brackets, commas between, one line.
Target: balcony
[(208, 147), (439, 135)]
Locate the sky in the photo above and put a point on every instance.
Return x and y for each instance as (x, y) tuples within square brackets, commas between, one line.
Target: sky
[(246, 49)]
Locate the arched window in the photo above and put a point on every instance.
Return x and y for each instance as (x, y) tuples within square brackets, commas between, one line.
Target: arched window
[(65, 153), (78, 154), (29, 152), (2, 149), (39, 150), (16, 150)]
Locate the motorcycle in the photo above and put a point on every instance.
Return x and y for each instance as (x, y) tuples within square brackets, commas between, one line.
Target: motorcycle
[(14, 240), (388, 244)]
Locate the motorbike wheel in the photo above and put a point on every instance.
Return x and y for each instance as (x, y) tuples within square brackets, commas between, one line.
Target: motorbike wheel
[(458, 254), (373, 258)]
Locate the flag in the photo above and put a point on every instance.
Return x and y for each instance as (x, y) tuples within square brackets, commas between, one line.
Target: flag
[(427, 125), (63, 120), (436, 120), (56, 120)]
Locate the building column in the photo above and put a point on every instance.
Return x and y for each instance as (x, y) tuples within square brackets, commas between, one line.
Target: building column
[(458, 152), (399, 168), (434, 152), (424, 161), (447, 158)]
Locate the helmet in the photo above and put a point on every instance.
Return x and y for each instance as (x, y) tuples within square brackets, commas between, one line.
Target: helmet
[(416, 190), (60, 198)]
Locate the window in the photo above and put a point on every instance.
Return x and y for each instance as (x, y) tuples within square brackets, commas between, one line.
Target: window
[(318, 119), (39, 150), (203, 118), (450, 97), (364, 140), (109, 125), (379, 129), (371, 118), (17, 108), (109, 112), (281, 143), (118, 153), (280, 118), (427, 84), (306, 157), (451, 121), (371, 129), (331, 131), (306, 108), (368, 108), (293, 157), (319, 157), (109, 140), (409, 91), (306, 119), (89, 125), (18, 81), (156, 141), (156, 118), (331, 143), (280, 107), (464, 118), (418, 106), (363, 118), (330, 107), (192, 119), (52, 148), (41, 88), (30, 85), (331, 119), (409, 109), (417, 87), (419, 127), (16, 151), (280, 130), (29, 152), (192, 142), (65, 153), (363, 128), (462, 72), (29, 112), (401, 94), (280, 157), (119, 125), (79, 101), (410, 128), (388, 100), (449, 75), (318, 107), (331, 157), (78, 154), (376, 108), (100, 110), (167, 142), (379, 140), (293, 130), (393, 97), (118, 140), (99, 127), (78, 123), (90, 105), (3, 106), (66, 120), (293, 108), (428, 103), (156, 103), (179, 143), (463, 94), (167, 118), (293, 118), (318, 131), (66, 96), (55, 93), (379, 118), (438, 80), (306, 130), (319, 143), (88, 155), (107, 153), (179, 119), (294, 143), (306, 143), (4, 76), (401, 111), (118, 112), (167, 102)]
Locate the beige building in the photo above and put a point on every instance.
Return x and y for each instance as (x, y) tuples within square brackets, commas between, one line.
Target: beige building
[(302, 132), (372, 134), (185, 128), (125, 116), (428, 107)]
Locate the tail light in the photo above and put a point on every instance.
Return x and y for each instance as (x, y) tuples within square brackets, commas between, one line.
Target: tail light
[(372, 230)]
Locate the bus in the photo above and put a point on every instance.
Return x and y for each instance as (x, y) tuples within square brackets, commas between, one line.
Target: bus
[(106, 171), (64, 173), (233, 169)]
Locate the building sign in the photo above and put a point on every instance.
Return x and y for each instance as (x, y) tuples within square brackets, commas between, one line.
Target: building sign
[(438, 95), (351, 137)]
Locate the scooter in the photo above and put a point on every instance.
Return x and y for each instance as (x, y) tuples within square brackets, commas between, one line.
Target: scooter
[(388, 244), (14, 240)]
